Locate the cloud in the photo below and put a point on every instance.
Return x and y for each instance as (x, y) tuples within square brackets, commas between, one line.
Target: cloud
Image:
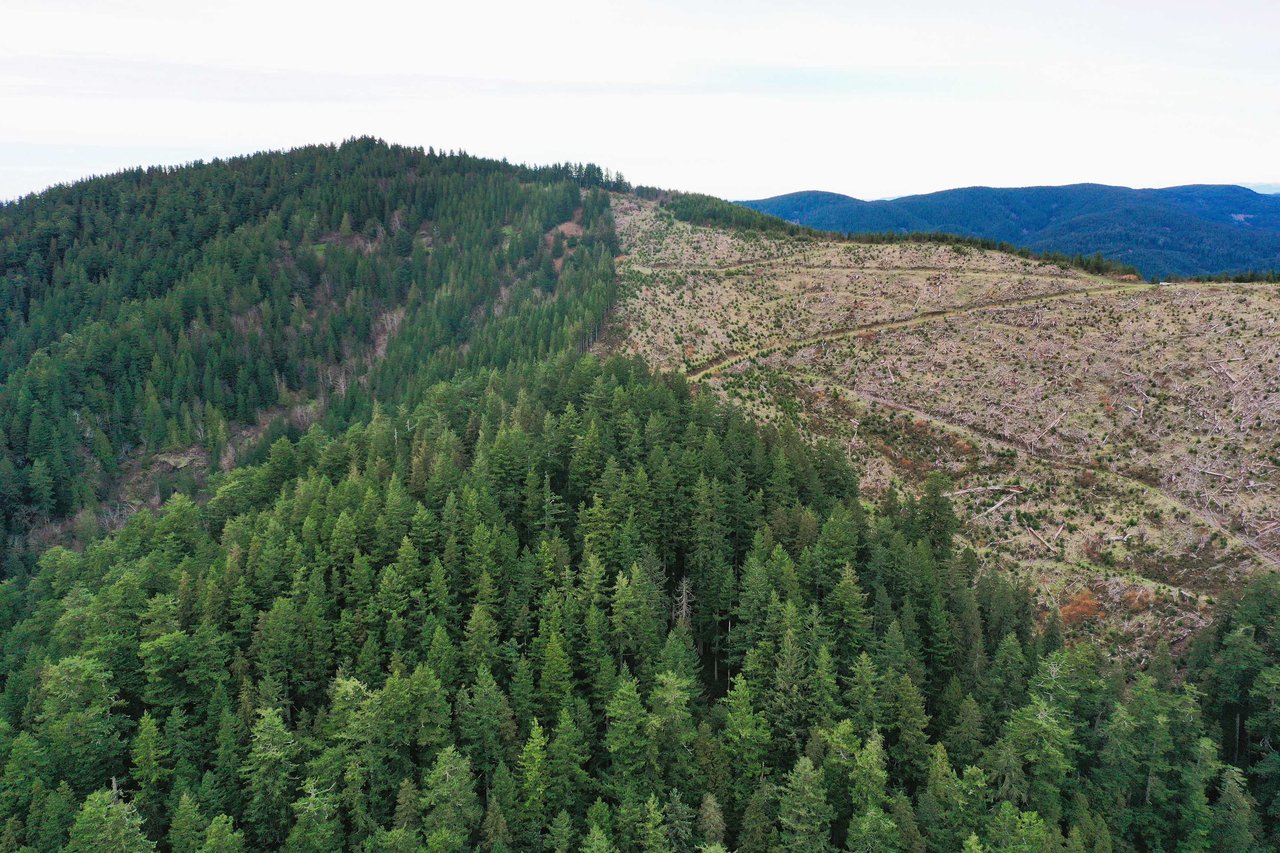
[(80, 77), (742, 99)]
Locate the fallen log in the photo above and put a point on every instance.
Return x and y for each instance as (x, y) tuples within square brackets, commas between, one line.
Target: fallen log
[(1039, 538), (1051, 425), (1004, 500)]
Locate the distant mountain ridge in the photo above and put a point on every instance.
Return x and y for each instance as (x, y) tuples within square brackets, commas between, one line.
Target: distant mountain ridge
[(1177, 231)]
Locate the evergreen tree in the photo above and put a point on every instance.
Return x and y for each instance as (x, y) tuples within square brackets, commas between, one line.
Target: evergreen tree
[(495, 832), (149, 772), (51, 818), (1006, 681), (451, 809), (624, 739), (222, 837), (803, 812), (597, 841), (945, 809), (1235, 824), (485, 723), (747, 742), (107, 825), (561, 835), (555, 681), (909, 753), (964, 738), (1039, 734), (861, 696), (873, 831), (269, 778), (868, 779), (852, 623), (569, 782), (316, 826), (534, 785), (187, 832), (653, 838), (711, 825), (670, 731), (1012, 831)]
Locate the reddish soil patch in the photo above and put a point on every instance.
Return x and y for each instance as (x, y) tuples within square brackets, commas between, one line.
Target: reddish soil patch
[(1083, 607), (571, 230)]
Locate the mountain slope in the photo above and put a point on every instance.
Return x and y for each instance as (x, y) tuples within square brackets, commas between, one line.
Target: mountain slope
[(180, 311), (508, 595), (1040, 389), (1192, 230)]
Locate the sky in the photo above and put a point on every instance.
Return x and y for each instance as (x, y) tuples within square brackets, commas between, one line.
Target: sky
[(738, 98)]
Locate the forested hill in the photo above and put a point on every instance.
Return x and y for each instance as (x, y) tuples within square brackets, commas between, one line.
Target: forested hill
[(1178, 231), (179, 311), (529, 599)]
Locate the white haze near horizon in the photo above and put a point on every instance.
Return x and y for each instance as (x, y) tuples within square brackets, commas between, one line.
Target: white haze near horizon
[(742, 99)]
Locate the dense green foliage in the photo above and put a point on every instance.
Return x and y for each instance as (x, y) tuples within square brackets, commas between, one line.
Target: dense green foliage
[(449, 626), (533, 600), (1178, 231), (708, 210), (161, 309)]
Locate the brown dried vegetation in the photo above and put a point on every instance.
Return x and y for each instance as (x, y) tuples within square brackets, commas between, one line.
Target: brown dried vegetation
[(1138, 422)]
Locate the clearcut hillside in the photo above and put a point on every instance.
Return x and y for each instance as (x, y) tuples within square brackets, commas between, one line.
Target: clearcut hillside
[(1114, 440)]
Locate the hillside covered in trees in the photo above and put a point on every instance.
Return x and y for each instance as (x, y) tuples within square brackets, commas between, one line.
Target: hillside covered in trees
[(175, 309), (1177, 231), (499, 593)]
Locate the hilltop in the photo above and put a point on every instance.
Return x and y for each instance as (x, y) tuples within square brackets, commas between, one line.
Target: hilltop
[(1179, 231), (160, 326)]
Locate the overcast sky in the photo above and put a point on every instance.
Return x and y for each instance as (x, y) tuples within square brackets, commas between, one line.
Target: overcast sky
[(739, 98)]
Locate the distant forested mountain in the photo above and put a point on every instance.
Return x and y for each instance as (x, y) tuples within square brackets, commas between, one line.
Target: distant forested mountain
[(1178, 231)]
